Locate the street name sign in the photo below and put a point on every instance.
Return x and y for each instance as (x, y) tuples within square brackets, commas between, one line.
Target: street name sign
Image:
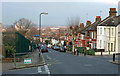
[(27, 61)]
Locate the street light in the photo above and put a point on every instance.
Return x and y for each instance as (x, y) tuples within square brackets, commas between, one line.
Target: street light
[(40, 30)]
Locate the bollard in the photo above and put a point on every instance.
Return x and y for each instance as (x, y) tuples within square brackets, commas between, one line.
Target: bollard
[(113, 57), (101, 53)]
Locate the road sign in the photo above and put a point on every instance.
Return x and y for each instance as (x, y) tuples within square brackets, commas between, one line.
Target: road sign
[(36, 35), (27, 61)]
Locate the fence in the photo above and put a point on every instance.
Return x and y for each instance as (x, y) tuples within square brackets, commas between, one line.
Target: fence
[(22, 43)]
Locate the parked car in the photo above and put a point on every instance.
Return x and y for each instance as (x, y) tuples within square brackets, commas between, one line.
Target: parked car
[(62, 49), (44, 48), (52, 47), (49, 46), (56, 48)]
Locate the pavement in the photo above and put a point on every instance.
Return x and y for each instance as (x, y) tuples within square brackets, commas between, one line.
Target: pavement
[(35, 59), (65, 63), (57, 63)]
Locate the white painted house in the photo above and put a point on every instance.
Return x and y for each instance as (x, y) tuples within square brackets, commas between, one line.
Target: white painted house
[(118, 38), (107, 33)]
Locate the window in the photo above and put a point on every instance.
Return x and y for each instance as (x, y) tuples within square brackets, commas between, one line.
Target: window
[(97, 43), (81, 44), (79, 35), (88, 33), (92, 35), (101, 31), (112, 31), (87, 44), (100, 43)]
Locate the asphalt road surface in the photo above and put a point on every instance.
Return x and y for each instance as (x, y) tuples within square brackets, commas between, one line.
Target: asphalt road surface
[(66, 63)]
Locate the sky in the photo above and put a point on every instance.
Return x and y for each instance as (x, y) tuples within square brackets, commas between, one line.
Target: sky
[(58, 12)]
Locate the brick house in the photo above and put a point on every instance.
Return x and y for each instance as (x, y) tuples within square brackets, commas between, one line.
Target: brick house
[(91, 34)]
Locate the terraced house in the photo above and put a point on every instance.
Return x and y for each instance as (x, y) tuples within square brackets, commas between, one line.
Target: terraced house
[(91, 34), (103, 35), (107, 34)]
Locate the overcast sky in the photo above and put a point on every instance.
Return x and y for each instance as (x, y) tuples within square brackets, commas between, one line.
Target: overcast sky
[(58, 12)]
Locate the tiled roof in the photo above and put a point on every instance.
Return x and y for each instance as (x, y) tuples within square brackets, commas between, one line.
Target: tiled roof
[(93, 26), (83, 29), (111, 21)]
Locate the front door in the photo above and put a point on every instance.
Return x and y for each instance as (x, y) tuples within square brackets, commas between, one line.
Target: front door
[(90, 46), (111, 46)]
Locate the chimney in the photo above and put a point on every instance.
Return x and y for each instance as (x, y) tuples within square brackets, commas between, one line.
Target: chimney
[(98, 18), (81, 25), (112, 12), (88, 23)]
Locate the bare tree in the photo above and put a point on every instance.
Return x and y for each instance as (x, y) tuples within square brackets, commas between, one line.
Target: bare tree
[(73, 27), (22, 26), (25, 27)]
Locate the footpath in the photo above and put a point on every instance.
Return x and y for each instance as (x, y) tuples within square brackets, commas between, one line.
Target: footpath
[(36, 60), (117, 61)]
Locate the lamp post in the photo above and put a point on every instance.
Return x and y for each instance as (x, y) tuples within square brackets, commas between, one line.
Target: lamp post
[(40, 31)]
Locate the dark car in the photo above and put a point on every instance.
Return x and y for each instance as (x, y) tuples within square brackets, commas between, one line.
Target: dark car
[(44, 48), (62, 49)]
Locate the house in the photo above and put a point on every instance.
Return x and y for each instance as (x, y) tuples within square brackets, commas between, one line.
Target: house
[(106, 32), (91, 34), (118, 35), (80, 39)]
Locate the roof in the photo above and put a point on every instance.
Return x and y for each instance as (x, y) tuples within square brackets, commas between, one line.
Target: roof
[(111, 21), (93, 27)]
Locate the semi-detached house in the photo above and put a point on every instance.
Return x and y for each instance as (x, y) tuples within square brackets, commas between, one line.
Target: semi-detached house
[(107, 33)]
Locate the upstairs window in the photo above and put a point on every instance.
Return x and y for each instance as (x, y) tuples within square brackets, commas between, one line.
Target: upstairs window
[(79, 36), (101, 31), (88, 33)]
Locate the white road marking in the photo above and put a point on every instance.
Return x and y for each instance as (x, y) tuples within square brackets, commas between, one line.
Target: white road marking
[(39, 70), (46, 69)]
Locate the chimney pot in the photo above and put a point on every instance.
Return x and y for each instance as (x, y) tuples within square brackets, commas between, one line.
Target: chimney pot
[(98, 18), (88, 23), (112, 12), (81, 25)]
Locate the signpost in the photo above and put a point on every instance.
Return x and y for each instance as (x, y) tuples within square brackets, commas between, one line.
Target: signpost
[(36, 35), (27, 61)]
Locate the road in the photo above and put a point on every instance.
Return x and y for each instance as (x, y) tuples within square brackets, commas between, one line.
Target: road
[(66, 63)]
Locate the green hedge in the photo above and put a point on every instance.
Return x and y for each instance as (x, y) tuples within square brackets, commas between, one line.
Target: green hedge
[(80, 49), (90, 52)]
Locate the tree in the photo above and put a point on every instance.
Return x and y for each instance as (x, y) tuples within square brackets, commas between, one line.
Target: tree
[(25, 27), (73, 27), (22, 26)]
